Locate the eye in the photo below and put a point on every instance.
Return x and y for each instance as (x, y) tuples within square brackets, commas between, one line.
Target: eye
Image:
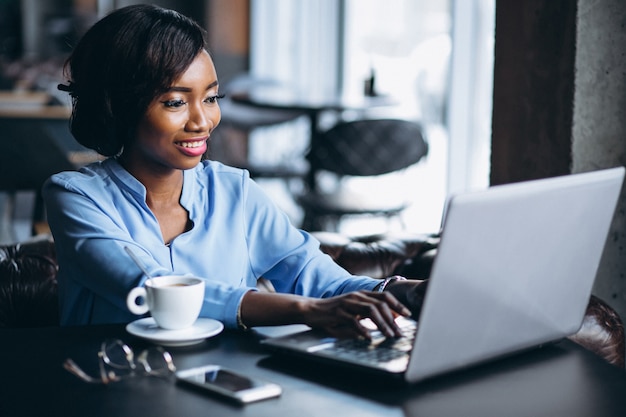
[(214, 99), (174, 103)]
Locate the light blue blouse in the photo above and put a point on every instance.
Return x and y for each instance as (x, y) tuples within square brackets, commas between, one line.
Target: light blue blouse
[(238, 235)]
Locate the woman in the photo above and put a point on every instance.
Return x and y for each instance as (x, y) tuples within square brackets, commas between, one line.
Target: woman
[(145, 95)]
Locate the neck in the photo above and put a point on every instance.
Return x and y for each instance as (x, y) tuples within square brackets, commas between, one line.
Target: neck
[(162, 184)]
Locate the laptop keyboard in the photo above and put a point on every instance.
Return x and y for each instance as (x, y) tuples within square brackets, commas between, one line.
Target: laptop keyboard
[(379, 349)]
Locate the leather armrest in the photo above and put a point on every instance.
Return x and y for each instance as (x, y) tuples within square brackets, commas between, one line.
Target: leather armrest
[(380, 256), (28, 285), (602, 332)]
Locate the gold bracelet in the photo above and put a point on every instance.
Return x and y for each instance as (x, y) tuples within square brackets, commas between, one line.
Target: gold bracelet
[(240, 322)]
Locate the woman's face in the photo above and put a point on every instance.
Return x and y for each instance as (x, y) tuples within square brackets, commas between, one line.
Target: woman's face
[(174, 131)]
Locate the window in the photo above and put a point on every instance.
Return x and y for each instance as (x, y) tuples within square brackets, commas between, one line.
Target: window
[(434, 56)]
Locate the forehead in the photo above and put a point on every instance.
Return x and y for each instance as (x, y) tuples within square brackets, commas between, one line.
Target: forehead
[(200, 73)]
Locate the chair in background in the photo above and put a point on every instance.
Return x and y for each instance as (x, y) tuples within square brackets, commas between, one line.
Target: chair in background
[(358, 148)]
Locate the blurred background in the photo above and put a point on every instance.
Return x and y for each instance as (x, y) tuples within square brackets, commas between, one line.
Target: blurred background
[(432, 58), (546, 99)]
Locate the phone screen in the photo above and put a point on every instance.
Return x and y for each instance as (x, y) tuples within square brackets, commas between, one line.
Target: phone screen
[(228, 380), (229, 383)]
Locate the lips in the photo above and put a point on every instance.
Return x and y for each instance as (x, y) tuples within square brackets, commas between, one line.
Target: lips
[(192, 147)]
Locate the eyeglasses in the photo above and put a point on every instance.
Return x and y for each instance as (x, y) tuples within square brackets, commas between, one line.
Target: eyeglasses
[(117, 361)]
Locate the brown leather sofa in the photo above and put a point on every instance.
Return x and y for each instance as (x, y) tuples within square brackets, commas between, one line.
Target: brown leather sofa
[(28, 286)]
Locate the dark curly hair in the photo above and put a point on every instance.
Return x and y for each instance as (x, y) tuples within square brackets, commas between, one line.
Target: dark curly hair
[(120, 65)]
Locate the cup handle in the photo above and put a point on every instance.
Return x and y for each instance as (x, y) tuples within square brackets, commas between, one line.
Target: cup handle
[(131, 301)]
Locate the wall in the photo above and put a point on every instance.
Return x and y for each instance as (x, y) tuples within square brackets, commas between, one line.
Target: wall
[(559, 103), (228, 25), (599, 131)]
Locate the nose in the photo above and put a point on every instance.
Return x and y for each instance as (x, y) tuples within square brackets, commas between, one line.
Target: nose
[(203, 118)]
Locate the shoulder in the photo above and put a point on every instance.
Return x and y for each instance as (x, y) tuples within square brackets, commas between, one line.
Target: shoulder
[(97, 181), (217, 168), (216, 174), (232, 185), (87, 176)]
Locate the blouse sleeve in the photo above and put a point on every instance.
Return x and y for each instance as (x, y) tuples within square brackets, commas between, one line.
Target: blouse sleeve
[(291, 258)]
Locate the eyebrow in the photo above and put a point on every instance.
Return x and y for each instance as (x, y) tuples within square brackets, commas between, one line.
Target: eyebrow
[(187, 89)]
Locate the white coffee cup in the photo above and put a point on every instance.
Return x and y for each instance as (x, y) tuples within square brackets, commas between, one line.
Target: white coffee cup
[(174, 301)]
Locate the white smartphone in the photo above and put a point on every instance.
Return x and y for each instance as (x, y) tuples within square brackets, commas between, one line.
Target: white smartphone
[(228, 383)]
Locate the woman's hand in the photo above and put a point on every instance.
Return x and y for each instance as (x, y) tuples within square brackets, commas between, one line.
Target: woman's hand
[(341, 315), (410, 293)]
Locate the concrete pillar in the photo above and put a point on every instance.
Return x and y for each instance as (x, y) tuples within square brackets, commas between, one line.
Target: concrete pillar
[(599, 128)]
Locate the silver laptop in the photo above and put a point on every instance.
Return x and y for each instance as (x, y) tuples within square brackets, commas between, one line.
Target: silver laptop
[(514, 269)]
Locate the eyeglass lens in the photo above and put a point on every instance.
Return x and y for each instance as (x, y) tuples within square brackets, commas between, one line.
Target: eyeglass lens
[(117, 361)]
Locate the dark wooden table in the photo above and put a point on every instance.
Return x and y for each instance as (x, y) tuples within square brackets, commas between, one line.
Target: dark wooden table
[(557, 380)]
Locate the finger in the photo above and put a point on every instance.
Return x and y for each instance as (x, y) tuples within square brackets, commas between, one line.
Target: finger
[(347, 317), (384, 319), (395, 304), (346, 322), (381, 314)]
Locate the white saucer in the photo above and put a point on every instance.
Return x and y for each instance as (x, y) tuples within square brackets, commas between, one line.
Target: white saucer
[(202, 329)]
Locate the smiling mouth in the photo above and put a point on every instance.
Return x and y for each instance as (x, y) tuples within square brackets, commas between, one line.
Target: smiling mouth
[(191, 144)]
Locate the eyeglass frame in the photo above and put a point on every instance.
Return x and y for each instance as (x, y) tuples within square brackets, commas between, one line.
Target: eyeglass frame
[(104, 360)]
